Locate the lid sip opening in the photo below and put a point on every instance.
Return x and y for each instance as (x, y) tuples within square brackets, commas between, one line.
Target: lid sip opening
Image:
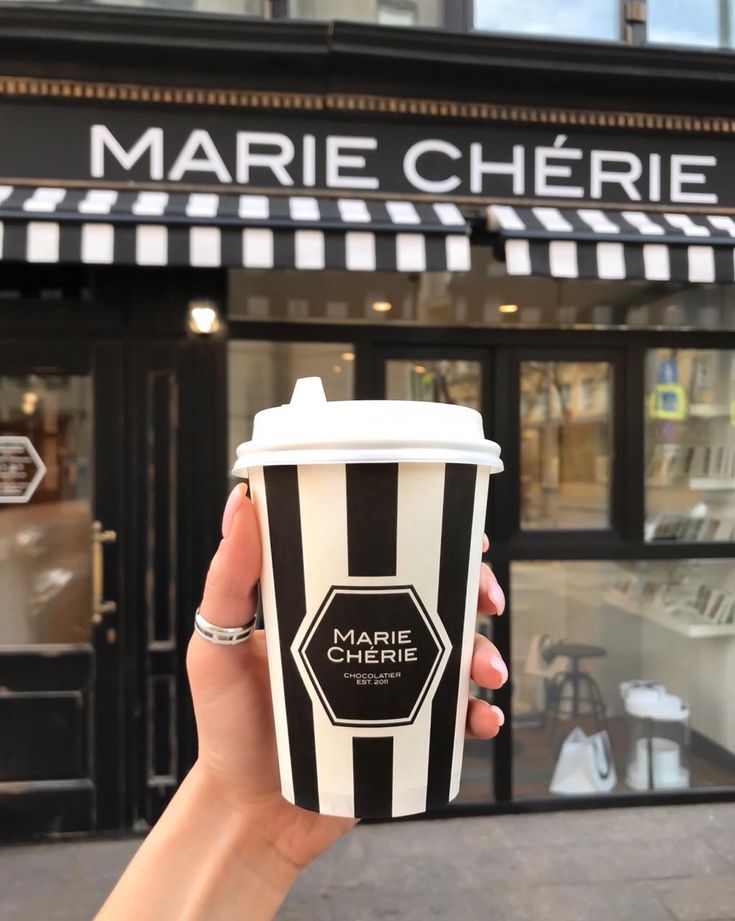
[(308, 391), (313, 430)]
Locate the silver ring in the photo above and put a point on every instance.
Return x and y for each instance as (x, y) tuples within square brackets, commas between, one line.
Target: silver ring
[(222, 636)]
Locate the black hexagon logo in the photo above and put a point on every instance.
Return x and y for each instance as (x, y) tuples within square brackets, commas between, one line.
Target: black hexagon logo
[(371, 654)]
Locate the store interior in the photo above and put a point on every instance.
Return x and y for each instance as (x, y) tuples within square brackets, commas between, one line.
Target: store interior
[(666, 626), (484, 297), (45, 564)]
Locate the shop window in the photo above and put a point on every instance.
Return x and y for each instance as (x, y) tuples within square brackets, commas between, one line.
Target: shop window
[(690, 445), (566, 420), (262, 374), (45, 580), (385, 12), (596, 19), (483, 297), (619, 670), (443, 381), (686, 22)]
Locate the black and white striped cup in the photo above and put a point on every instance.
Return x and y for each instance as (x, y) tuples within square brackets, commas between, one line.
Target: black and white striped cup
[(369, 588)]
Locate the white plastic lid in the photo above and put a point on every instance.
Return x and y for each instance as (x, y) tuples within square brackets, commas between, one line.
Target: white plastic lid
[(311, 430)]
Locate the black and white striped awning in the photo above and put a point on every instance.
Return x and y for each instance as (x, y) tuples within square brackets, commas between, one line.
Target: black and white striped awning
[(209, 229), (592, 243)]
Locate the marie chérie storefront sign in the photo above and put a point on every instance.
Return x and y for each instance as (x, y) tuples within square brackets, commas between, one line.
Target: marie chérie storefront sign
[(96, 143)]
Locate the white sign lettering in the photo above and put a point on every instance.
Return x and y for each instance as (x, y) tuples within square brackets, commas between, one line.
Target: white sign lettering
[(150, 141), (556, 168)]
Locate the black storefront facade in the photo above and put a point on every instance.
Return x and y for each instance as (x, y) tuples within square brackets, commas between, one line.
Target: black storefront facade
[(543, 231)]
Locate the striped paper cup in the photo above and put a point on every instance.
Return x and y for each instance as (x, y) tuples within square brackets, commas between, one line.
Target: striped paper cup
[(372, 539)]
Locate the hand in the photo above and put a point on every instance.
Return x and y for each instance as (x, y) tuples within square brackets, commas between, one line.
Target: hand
[(231, 692)]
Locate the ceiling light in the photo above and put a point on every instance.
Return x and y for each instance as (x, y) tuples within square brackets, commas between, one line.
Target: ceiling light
[(29, 403), (381, 306), (420, 369), (347, 356), (508, 308), (337, 369), (203, 317)]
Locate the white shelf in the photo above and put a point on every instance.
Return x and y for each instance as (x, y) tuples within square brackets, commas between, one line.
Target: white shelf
[(699, 483), (703, 483), (658, 615)]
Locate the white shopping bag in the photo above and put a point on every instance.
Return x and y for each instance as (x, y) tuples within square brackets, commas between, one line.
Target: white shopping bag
[(585, 764)]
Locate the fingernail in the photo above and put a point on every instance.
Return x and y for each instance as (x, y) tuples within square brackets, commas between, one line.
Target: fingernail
[(495, 594), (499, 666), (485, 543), (233, 504), (501, 715)]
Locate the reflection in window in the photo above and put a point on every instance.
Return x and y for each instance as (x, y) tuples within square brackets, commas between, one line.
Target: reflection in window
[(44, 544), (598, 19), (690, 445), (474, 298), (566, 417), (684, 22), (385, 12), (262, 374), (442, 381), (625, 652), (228, 7)]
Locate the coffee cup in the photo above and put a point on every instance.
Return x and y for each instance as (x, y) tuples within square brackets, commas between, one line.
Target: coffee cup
[(371, 515)]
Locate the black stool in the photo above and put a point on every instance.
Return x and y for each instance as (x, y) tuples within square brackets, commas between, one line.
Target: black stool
[(574, 685)]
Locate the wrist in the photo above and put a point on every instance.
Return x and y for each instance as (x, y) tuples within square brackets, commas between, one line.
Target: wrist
[(249, 828)]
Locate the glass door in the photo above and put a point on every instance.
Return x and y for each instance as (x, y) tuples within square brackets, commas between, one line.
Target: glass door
[(568, 660), (566, 418), (60, 470), (439, 380)]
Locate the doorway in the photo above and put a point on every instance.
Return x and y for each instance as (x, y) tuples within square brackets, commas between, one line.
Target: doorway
[(61, 495)]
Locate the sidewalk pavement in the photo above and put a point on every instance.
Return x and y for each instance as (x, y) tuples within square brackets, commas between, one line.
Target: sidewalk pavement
[(642, 864)]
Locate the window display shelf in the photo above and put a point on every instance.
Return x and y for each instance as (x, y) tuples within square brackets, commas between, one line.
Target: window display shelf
[(702, 483), (664, 617)]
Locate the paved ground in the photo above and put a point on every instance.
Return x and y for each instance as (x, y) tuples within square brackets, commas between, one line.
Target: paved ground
[(665, 864)]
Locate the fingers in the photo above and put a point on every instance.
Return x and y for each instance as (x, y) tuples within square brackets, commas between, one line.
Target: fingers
[(489, 671), (483, 719), (230, 597), (488, 668), (490, 599), (229, 594)]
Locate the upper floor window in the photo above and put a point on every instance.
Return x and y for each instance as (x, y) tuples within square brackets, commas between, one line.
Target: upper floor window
[(596, 19), (385, 12), (690, 22), (693, 23)]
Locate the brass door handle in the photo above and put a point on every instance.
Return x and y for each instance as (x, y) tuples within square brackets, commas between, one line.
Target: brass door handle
[(99, 606)]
